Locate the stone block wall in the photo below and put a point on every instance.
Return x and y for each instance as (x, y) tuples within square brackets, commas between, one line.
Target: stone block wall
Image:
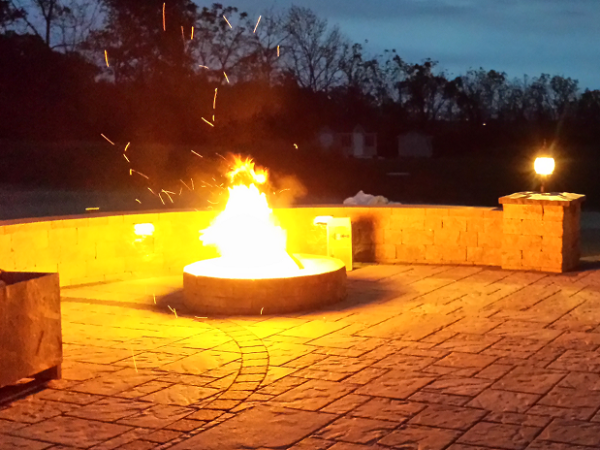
[(423, 234), (103, 248), (97, 248)]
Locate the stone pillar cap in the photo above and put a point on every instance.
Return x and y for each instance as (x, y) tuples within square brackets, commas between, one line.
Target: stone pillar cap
[(563, 199)]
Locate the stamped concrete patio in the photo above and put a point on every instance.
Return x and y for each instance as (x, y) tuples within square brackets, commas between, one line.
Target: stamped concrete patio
[(417, 357)]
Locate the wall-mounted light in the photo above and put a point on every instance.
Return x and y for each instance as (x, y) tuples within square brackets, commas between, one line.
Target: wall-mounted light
[(143, 229)]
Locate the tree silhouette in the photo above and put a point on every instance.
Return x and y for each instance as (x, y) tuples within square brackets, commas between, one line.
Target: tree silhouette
[(9, 13), (314, 54), (136, 45), (60, 24), (424, 90), (152, 73)]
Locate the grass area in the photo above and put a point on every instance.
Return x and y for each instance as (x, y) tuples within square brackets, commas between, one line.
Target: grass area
[(98, 167)]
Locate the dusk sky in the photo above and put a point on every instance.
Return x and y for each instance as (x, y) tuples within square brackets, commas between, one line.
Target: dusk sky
[(559, 37)]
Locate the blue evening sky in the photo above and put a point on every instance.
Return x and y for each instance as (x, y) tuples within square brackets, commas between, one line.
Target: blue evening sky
[(559, 37)]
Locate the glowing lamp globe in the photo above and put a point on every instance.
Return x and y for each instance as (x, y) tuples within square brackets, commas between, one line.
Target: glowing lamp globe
[(544, 166)]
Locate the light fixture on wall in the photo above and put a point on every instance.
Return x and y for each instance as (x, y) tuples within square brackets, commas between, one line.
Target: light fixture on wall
[(143, 229)]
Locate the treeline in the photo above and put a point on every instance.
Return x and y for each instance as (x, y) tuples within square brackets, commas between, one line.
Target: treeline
[(152, 71)]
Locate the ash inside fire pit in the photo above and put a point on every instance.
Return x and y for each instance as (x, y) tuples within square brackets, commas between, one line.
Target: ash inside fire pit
[(207, 288)]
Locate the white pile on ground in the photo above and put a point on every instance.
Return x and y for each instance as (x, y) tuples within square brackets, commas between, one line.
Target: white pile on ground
[(362, 199)]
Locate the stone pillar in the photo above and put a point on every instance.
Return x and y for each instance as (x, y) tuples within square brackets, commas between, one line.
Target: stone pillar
[(541, 231)]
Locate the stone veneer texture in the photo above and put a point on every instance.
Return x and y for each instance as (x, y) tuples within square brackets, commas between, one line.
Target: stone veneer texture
[(96, 248)]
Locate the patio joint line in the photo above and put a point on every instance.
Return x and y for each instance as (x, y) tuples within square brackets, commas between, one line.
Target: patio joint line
[(234, 331)]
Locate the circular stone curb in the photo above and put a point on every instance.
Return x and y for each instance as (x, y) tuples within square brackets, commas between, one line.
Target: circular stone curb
[(219, 295)]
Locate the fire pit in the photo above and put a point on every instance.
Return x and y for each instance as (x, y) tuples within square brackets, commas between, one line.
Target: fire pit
[(207, 289), (255, 274)]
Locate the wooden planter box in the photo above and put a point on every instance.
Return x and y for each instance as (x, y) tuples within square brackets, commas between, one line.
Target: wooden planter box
[(30, 327)]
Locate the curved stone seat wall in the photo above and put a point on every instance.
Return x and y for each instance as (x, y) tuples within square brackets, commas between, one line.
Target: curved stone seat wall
[(96, 248)]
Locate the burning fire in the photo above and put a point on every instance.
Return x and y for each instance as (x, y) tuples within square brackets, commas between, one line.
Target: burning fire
[(246, 233)]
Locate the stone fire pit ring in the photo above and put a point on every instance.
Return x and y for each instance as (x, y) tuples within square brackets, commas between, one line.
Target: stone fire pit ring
[(323, 282)]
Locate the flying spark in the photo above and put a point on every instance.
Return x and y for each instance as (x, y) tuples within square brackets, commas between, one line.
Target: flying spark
[(161, 199), (204, 67), (278, 51), (197, 154), (193, 189), (106, 58), (174, 311), (126, 158), (127, 146), (153, 193), (182, 35), (296, 146), (93, 209), (167, 194), (192, 38), (138, 201), (215, 99), (207, 122), (259, 17), (227, 21), (142, 175), (164, 21), (109, 141), (183, 182), (226, 77)]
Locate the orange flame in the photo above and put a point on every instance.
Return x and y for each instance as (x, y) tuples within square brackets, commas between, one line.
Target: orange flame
[(246, 233), (245, 168)]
